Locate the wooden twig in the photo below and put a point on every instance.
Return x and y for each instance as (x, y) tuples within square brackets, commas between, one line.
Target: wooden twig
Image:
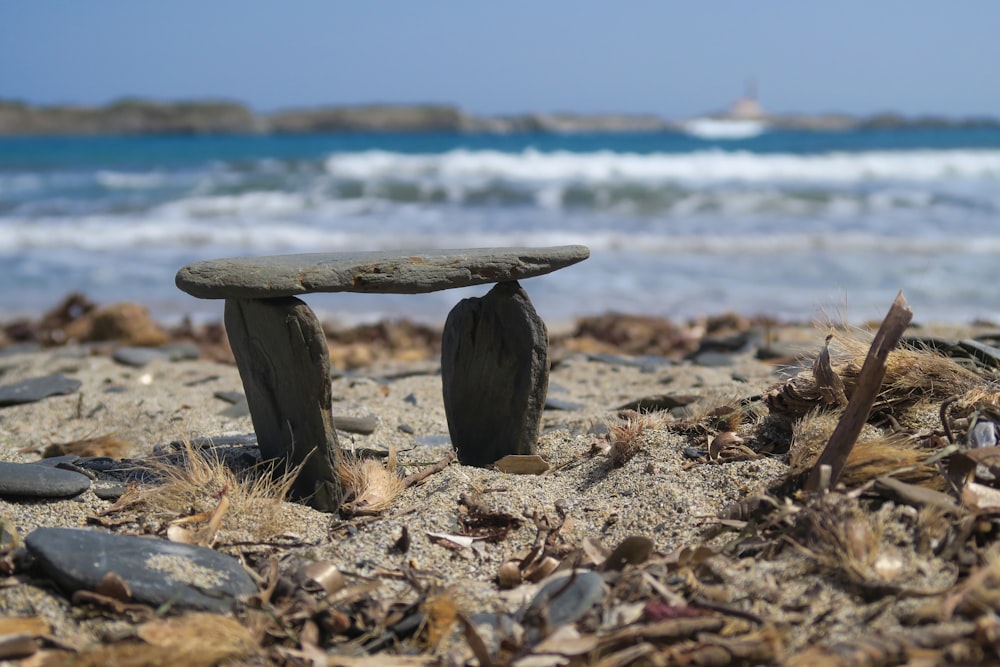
[(863, 397), (418, 477)]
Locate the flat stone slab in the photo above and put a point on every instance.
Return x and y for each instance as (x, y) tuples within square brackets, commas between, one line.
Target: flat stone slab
[(397, 272), (35, 389), (155, 570), (27, 480)]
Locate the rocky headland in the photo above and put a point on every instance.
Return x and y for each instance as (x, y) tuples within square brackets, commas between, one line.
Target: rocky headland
[(138, 117)]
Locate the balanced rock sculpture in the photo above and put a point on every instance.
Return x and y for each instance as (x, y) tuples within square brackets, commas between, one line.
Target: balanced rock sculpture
[(494, 351)]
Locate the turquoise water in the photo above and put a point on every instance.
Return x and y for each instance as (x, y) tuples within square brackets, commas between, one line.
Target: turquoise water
[(785, 223)]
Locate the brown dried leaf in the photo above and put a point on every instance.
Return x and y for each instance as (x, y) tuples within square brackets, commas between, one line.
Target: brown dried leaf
[(113, 586), (522, 464), (321, 575), (16, 646), (828, 383), (102, 445), (981, 498), (721, 441), (509, 575), (632, 551)]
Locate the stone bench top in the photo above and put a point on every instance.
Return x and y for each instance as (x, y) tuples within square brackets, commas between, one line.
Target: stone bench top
[(384, 272)]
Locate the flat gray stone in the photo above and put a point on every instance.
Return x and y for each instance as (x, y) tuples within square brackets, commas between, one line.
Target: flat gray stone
[(280, 350), (137, 357), (397, 272), (156, 571), (35, 389), (494, 375), (27, 480), (564, 599)]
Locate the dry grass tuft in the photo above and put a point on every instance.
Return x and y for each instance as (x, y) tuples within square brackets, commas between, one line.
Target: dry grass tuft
[(625, 434), (202, 479), (197, 640), (913, 376), (873, 456), (369, 487), (846, 539)]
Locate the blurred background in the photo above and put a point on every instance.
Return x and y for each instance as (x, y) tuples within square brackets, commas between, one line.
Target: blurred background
[(781, 158)]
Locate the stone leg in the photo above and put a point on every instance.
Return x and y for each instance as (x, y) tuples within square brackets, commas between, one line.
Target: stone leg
[(495, 373), (284, 363)]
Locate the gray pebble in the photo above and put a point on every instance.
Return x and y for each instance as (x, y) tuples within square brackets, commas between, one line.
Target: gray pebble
[(156, 571), (35, 389), (27, 480), (563, 600), (138, 357)]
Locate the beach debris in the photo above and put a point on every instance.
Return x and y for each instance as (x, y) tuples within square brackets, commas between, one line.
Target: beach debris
[(480, 521), (181, 640), (495, 373), (721, 442), (369, 486), (631, 551), (281, 352), (522, 464), (19, 636), (829, 384), (198, 486), (205, 537), (30, 480), (657, 402), (626, 433), (866, 389), (421, 476), (156, 571), (35, 389), (108, 445)]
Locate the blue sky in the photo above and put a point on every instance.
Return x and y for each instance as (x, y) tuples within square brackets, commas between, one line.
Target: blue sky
[(668, 58)]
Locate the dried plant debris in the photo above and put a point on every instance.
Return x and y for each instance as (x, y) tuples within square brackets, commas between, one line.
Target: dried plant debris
[(913, 376), (369, 486), (200, 488), (626, 434)]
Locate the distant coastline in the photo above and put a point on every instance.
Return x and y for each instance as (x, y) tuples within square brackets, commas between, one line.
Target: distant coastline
[(211, 117)]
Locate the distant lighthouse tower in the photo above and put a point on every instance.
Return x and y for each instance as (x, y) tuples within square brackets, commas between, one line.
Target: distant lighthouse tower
[(747, 107)]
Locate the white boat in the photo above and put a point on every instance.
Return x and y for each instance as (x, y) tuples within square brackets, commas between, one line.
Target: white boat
[(724, 128), (744, 120)]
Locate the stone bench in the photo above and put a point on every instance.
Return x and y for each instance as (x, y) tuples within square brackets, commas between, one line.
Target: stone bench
[(494, 357)]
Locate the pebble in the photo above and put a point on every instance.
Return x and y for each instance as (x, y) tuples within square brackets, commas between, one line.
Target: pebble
[(156, 571), (27, 480), (412, 272), (35, 389), (561, 404), (432, 440), (109, 490), (137, 357), (564, 599)]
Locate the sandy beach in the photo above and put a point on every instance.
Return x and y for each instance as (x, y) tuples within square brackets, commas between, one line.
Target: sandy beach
[(424, 560)]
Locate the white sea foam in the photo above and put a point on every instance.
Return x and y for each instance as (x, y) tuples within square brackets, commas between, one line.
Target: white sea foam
[(717, 166), (129, 180)]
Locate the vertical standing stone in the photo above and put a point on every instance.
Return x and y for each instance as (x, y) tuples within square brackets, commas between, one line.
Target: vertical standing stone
[(495, 373), (284, 363)]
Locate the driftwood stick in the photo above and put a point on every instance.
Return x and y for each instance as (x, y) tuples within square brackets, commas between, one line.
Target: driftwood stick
[(863, 397), (419, 477)]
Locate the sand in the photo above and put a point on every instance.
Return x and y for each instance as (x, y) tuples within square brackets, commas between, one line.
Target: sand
[(661, 493)]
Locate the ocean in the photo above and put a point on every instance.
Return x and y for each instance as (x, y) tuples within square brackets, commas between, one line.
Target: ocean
[(794, 224)]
